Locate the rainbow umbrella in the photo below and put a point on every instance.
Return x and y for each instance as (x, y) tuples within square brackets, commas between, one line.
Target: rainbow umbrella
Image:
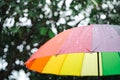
[(92, 50)]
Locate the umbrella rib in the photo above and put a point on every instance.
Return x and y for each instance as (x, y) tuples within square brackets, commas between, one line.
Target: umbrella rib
[(82, 64), (45, 64), (62, 64), (119, 54), (98, 65), (58, 51)]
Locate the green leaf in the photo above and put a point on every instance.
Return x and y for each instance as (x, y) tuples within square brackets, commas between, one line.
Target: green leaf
[(2, 3), (95, 2), (99, 1), (43, 31), (14, 29), (31, 14), (51, 34)]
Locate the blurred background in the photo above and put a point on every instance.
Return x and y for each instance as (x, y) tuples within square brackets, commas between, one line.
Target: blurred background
[(27, 24)]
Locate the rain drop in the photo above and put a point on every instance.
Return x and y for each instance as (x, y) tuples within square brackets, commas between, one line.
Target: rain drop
[(77, 42)]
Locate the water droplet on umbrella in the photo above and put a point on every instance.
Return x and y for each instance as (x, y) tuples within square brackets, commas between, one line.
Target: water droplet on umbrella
[(76, 42)]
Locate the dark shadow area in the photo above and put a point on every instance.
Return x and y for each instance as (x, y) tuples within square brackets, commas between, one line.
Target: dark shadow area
[(56, 77)]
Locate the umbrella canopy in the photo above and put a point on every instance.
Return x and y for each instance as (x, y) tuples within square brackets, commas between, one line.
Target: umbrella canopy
[(92, 39)]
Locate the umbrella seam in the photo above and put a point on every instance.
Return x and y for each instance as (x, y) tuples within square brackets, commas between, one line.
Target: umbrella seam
[(65, 41), (62, 64), (82, 64)]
